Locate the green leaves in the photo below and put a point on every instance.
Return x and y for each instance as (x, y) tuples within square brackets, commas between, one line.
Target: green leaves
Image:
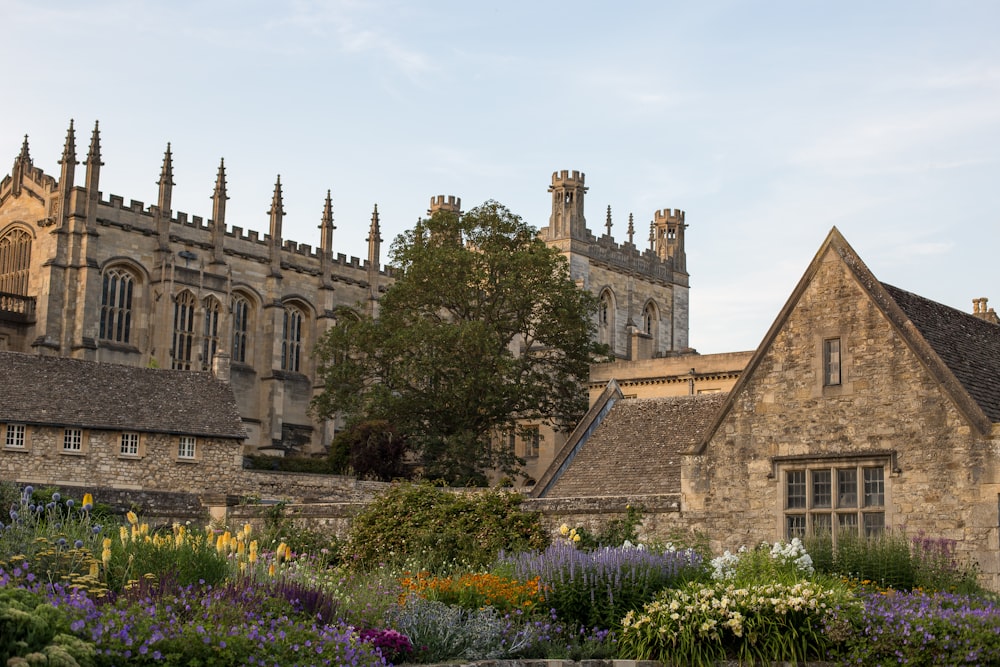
[(483, 327)]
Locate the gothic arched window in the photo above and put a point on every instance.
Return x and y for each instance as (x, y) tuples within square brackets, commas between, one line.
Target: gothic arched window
[(241, 327), (606, 318), (291, 339), (650, 319), (117, 293), (210, 341), (184, 305), (15, 262)]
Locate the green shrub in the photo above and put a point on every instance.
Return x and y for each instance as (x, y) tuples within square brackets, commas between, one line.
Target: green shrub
[(419, 525), (319, 466), (440, 632), (32, 631)]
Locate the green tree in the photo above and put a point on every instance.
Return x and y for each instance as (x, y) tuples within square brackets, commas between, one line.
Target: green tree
[(482, 327)]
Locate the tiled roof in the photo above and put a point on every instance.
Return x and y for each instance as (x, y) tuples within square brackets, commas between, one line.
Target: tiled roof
[(969, 346), (71, 392), (636, 450)]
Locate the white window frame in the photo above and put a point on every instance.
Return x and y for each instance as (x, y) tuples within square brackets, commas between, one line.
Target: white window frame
[(16, 436), (73, 440), (129, 445), (187, 448)]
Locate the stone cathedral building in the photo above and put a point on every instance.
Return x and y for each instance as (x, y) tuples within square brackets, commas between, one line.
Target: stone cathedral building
[(87, 276)]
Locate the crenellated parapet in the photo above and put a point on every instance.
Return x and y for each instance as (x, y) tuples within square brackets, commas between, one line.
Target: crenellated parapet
[(449, 204)]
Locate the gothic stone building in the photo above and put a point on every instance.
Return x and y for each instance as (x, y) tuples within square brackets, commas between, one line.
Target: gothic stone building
[(866, 407), (94, 278)]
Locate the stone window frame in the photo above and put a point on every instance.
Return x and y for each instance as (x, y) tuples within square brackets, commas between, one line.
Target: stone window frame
[(211, 331), (75, 441), (294, 336), (119, 293), (797, 515), (243, 316), (185, 311), (16, 437), (820, 387), (15, 259), (139, 442), (187, 448), (531, 439)]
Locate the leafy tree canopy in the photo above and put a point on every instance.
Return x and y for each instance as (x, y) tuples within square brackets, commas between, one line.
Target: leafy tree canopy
[(482, 327)]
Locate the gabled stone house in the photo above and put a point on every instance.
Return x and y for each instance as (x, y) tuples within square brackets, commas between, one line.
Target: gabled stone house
[(865, 408), (73, 423)]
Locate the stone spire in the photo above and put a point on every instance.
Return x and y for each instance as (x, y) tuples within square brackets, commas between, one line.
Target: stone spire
[(68, 160), (631, 228), (607, 223), (374, 246), (277, 213), (652, 235), (219, 214), (326, 228), (94, 163), (21, 164), (166, 182)]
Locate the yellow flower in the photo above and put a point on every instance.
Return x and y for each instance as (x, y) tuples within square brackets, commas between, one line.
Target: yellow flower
[(270, 570), (123, 534), (94, 569), (576, 538), (88, 501), (247, 530), (132, 518), (564, 530)]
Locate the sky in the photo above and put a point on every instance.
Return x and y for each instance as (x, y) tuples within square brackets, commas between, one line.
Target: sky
[(767, 122)]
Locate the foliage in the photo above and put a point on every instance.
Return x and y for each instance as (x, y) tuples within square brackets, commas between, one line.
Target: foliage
[(433, 529), (701, 624), (181, 555), (243, 623), (370, 450), (549, 638), (596, 589), (891, 560), (925, 629), (393, 646), (614, 533), (53, 537), (319, 466), (33, 631), (475, 590), (442, 632), (785, 562), (482, 327)]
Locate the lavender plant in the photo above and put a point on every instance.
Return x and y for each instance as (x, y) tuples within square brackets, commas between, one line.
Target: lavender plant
[(596, 588), (925, 629)]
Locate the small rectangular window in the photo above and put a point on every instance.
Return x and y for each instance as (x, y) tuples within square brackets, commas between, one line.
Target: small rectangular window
[(848, 523), (831, 362), (874, 523), (847, 487), (795, 489), (822, 491), (15, 436), (874, 487), (186, 447), (822, 524), (795, 525), (130, 444), (73, 440)]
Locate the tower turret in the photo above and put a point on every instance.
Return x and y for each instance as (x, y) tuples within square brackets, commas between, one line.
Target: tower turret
[(567, 220), (669, 234), (219, 198), (451, 204)]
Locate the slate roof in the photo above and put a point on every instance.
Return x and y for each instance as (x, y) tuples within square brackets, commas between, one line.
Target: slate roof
[(70, 392), (969, 346), (636, 449)]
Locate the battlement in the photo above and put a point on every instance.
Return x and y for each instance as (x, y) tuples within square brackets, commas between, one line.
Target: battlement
[(668, 215), (566, 177), (451, 204)]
